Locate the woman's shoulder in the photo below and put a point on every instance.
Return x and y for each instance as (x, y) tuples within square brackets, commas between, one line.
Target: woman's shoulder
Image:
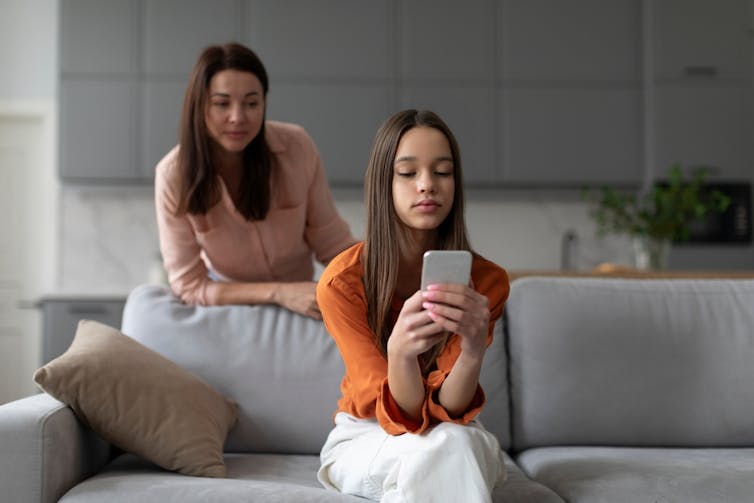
[(167, 166), (281, 136)]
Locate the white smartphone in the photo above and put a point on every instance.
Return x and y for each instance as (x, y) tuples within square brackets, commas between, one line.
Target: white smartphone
[(446, 266)]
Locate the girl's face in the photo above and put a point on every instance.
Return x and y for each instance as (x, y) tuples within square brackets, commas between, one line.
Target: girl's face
[(423, 179), (235, 109)]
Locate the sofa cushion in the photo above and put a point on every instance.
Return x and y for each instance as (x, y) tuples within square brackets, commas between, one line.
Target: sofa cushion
[(628, 475), (140, 401), (271, 478), (283, 369), (631, 362), (254, 477)]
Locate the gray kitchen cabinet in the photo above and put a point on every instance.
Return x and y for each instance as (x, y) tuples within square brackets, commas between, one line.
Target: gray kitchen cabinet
[(330, 73), (702, 39), (540, 93), (99, 38), (61, 315), (704, 113), (570, 103), (571, 136), (97, 130), (705, 125)]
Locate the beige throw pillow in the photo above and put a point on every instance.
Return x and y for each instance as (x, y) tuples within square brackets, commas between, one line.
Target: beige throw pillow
[(140, 401)]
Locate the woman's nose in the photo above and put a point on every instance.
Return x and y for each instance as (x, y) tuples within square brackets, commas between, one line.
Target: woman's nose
[(236, 113)]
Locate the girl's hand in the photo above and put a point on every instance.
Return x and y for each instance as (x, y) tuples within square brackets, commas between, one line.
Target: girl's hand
[(300, 297), (414, 332), (461, 310)]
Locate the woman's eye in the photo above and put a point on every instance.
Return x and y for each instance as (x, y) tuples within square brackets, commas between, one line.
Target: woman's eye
[(220, 104), (253, 104)]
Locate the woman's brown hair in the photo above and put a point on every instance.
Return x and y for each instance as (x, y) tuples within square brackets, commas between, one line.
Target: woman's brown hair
[(383, 234), (199, 189)]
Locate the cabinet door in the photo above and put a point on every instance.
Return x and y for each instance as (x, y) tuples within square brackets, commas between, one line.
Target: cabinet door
[(571, 137), (98, 37), (468, 113), (61, 318), (702, 38), (97, 122), (341, 120), (705, 125), (175, 32), (574, 41)]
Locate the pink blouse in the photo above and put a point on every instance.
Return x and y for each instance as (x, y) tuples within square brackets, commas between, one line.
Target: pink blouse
[(302, 222)]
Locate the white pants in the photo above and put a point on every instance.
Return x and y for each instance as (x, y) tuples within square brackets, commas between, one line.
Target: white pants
[(448, 462)]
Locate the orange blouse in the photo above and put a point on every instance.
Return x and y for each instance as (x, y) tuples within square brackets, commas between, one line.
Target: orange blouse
[(365, 391)]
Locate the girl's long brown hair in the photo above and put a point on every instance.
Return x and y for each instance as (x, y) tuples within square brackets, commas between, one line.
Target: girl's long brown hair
[(199, 188), (383, 234)]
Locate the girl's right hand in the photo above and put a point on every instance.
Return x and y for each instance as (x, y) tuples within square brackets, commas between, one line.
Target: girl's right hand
[(414, 332)]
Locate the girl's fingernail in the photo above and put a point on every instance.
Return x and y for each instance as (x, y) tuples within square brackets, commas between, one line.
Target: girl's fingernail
[(428, 305)]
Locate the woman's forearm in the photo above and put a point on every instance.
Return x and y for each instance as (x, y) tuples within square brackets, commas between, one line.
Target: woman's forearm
[(245, 293)]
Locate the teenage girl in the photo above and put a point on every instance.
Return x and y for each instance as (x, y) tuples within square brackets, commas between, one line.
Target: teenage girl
[(405, 429)]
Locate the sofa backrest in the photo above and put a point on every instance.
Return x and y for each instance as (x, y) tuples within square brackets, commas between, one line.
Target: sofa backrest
[(283, 369), (631, 362)]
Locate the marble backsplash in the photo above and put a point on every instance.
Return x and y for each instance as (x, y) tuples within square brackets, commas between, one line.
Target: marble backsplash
[(108, 236)]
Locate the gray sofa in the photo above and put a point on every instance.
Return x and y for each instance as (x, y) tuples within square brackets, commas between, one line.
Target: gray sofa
[(599, 390)]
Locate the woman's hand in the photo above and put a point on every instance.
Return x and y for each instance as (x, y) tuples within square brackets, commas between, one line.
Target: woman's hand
[(300, 297), (461, 310), (414, 331)]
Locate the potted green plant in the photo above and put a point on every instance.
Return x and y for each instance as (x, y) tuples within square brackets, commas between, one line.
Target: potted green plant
[(655, 218)]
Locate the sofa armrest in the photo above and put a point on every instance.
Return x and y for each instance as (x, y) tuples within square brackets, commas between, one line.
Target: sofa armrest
[(45, 450)]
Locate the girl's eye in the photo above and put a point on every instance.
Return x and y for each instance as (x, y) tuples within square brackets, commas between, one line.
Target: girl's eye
[(220, 104), (444, 173), (253, 104), (405, 174)]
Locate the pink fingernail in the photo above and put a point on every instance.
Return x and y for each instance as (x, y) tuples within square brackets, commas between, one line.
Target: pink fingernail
[(428, 305)]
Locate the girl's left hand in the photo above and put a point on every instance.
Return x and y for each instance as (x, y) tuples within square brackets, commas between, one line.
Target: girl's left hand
[(461, 310)]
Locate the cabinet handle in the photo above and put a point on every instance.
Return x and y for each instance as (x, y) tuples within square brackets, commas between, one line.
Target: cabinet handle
[(700, 71), (81, 310)]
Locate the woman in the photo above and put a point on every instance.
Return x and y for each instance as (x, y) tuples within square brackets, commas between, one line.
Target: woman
[(243, 203), (405, 427)]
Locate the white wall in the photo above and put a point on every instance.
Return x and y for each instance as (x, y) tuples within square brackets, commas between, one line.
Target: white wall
[(28, 55)]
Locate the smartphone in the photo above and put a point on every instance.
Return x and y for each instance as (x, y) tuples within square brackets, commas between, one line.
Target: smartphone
[(446, 266)]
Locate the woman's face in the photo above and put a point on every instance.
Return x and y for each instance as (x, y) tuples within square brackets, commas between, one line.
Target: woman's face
[(423, 179), (235, 109)]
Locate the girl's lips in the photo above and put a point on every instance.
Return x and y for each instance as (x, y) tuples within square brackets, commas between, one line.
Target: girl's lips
[(427, 206)]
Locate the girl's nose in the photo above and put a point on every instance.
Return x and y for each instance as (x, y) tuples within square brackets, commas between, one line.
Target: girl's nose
[(426, 183)]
